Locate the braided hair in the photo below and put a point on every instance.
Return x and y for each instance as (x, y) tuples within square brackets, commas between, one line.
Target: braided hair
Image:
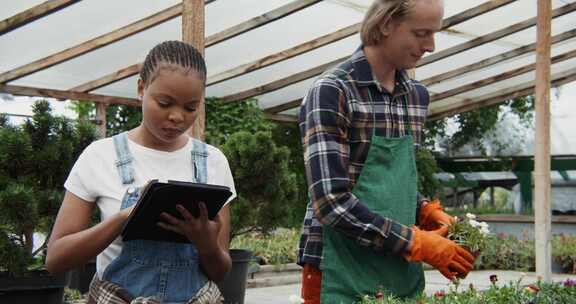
[(175, 53)]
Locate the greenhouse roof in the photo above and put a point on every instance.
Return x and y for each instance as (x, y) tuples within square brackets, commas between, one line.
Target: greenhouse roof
[(271, 50)]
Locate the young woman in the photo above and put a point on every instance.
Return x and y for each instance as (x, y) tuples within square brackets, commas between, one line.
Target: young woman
[(109, 174)]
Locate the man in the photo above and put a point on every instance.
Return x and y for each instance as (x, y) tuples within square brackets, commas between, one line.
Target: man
[(359, 123)]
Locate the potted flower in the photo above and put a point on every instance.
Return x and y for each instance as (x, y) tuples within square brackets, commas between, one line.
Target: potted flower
[(35, 159), (469, 233)]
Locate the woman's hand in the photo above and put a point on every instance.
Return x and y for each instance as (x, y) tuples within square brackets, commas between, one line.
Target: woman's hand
[(201, 231), (125, 213), (209, 236), (73, 241)]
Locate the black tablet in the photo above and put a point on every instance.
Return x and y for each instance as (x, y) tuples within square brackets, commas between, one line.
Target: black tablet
[(158, 197)]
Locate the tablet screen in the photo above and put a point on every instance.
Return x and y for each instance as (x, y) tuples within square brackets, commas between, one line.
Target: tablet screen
[(158, 197)]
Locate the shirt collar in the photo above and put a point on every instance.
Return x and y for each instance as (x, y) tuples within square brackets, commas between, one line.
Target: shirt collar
[(365, 77), (362, 70)]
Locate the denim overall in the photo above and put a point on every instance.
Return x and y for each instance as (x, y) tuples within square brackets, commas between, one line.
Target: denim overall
[(169, 272)]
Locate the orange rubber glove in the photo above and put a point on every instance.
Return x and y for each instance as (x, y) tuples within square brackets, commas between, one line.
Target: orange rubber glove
[(441, 253), (432, 216)]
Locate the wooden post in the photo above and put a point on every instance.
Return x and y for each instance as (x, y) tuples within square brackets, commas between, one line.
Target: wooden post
[(101, 119), (475, 198), (455, 196), (492, 199), (193, 33), (542, 215)]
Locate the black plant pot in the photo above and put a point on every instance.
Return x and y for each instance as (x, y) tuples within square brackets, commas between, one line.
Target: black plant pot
[(233, 287), (37, 287), (81, 277)]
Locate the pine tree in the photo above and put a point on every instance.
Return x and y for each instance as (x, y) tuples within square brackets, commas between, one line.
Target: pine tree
[(265, 185), (35, 159)]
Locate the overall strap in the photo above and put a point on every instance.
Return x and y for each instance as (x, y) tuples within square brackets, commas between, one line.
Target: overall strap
[(199, 161), (123, 158)]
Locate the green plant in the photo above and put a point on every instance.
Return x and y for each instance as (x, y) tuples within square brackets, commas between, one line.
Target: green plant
[(480, 210), (35, 159), (564, 252), (513, 292), (225, 119), (473, 127), (277, 247), (288, 135), (506, 252), (469, 233), (72, 295), (264, 183), (119, 118), (428, 184)]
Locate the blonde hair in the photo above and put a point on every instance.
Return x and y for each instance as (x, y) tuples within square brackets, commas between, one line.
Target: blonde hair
[(382, 11)]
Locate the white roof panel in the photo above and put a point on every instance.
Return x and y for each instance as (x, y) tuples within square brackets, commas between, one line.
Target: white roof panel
[(86, 20)]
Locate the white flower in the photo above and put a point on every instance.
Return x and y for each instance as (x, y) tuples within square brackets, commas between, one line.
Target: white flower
[(484, 230), (474, 223), (470, 216), (484, 225), (294, 299)]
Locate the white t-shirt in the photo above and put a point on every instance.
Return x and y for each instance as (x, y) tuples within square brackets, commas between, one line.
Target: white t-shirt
[(95, 178)]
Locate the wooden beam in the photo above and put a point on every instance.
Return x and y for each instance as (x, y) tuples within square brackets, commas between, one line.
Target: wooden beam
[(542, 209), (92, 44), (338, 35), (289, 80), (60, 94), (474, 12), (32, 14), (465, 16), (488, 38), (494, 59), (101, 119), (568, 8), (285, 106), (281, 117), (193, 33), (275, 85), (215, 38), (285, 54), (261, 20), (521, 90), (101, 82), (193, 23), (275, 58), (17, 115), (517, 218), (490, 80)]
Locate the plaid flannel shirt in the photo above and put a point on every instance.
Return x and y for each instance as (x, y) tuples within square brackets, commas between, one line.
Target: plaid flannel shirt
[(104, 292), (337, 119)]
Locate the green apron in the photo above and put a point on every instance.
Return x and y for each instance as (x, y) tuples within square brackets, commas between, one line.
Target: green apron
[(387, 185)]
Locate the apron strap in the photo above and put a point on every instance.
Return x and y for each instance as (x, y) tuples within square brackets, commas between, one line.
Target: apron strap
[(123, 158), (199, 162)]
